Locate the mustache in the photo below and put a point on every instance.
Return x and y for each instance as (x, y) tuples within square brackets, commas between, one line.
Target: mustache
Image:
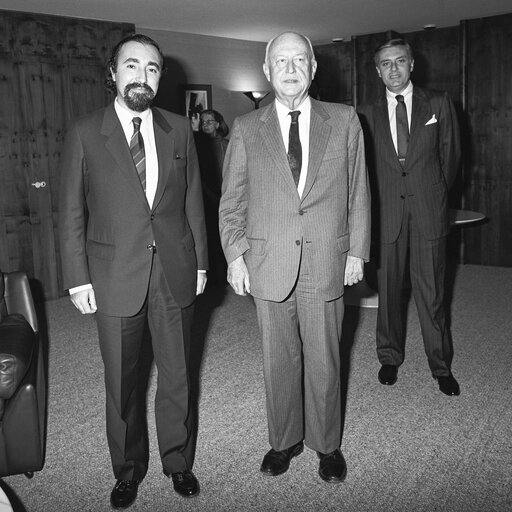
[(137, 85)]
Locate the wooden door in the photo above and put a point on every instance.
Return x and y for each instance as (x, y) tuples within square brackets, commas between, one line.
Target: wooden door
[(52, 69), (15, 227)]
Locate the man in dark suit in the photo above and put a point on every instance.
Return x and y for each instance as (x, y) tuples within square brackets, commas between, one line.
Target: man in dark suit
[(413, 156), (295, 227), (133, 249)]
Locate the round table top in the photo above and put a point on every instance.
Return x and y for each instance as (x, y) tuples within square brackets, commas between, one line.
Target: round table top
[(458, 217)]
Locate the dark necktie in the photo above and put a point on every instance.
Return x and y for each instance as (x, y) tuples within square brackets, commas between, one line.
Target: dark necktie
[(294, 147), (137, 150), (402, 128)]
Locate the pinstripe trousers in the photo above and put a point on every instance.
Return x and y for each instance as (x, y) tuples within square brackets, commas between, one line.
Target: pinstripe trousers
[(427, 263), (301, 363)]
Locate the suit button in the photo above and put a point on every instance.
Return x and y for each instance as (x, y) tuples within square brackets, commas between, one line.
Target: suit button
[(404, 174), (402, 197), (297, 242), (301, 212), (152, 216)]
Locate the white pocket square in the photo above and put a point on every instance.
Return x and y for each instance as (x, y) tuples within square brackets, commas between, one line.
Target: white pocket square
[(432, 120)]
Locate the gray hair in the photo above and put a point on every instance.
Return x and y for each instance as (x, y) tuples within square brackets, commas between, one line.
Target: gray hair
[(302, 36), (390, 44)]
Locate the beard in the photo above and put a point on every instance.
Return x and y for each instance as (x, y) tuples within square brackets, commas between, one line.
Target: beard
[(136, 100)]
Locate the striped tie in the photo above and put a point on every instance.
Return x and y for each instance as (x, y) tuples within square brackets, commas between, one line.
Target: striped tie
[(137, 150)]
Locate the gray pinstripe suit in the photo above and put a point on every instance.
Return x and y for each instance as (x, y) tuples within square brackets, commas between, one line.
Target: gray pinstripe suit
[(411, 213), (295, 250)]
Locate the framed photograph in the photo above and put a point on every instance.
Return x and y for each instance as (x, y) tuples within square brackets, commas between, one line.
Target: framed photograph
[(196, 97)]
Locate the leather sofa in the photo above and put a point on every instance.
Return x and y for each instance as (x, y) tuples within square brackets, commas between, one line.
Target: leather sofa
[(22, 380)]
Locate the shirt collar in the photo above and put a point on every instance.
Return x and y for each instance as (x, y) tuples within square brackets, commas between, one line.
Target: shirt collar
[(405, 93), (125, 116), (304, 107)]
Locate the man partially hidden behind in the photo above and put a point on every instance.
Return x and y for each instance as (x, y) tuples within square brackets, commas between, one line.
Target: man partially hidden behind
[(133, 249), (413, 157), (295, 227)]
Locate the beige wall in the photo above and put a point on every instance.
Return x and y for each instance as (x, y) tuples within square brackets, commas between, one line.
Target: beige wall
[(228, 65)]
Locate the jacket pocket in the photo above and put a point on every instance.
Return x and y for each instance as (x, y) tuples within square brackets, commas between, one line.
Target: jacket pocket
[(344, 243), (100, 250), (256, 245), (188, 242)]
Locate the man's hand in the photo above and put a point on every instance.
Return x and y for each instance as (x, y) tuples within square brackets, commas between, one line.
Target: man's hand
[(201, 282), (84, 301), (354, 270), (238, 276)]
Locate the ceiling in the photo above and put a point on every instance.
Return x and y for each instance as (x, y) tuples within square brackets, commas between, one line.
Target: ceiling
[(260, 20)]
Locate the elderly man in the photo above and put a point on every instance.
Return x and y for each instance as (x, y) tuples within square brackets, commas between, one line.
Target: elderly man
[(295, 227), (133, 246), (414, 154)]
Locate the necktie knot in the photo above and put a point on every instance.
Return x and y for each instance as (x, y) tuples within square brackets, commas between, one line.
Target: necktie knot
[(399, 98), (136, 123), (294, 114)]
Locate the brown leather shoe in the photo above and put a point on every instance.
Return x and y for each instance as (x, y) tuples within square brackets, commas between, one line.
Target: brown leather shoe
[(388, 374), (332, 468), (124, 493), (277, 462)]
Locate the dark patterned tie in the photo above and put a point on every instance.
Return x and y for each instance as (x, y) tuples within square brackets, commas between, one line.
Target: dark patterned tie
[(402, 128), (294, 147), (137, 150)]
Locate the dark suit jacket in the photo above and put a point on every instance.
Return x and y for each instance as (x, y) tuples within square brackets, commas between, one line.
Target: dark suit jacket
[(262, 216), (432, 163), (106, 223)]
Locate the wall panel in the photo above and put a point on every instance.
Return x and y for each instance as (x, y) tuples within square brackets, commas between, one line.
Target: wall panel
[(489, 114)]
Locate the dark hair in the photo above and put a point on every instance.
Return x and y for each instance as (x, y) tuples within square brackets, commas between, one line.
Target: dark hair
[(390, 43), (112, 62), (223, 128)]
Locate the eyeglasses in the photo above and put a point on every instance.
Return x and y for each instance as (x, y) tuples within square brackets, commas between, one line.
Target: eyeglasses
[(208, 121)]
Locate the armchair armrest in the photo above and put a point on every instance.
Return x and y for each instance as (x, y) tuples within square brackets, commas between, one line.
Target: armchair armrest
[(18, 297), (17, 341)]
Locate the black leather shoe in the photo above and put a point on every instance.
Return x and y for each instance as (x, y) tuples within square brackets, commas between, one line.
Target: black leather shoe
[(277, 462), (332, 468), (448, 385), (124, 493), (387, 374), (185, 483)]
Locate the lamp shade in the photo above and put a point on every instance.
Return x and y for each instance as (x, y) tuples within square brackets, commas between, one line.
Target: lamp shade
[(256, 96)]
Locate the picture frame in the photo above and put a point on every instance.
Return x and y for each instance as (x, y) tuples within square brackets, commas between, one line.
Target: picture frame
[(195, 98)]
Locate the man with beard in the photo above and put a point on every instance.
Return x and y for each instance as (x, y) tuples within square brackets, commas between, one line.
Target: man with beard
[(133, 249)]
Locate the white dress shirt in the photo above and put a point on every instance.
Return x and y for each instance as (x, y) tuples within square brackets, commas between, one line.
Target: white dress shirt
[(285, 121), (392, 102)]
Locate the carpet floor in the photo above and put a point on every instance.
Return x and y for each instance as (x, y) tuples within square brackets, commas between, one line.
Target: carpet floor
[(408, 447)]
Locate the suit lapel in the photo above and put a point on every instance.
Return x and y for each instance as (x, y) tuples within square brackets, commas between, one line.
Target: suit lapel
[(117, 146), (319, 133), (165, 150), (272, 138), (420, 115), (382, 126)]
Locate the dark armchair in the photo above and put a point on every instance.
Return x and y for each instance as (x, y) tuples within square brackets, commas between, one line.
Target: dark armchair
[(22, 380)]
